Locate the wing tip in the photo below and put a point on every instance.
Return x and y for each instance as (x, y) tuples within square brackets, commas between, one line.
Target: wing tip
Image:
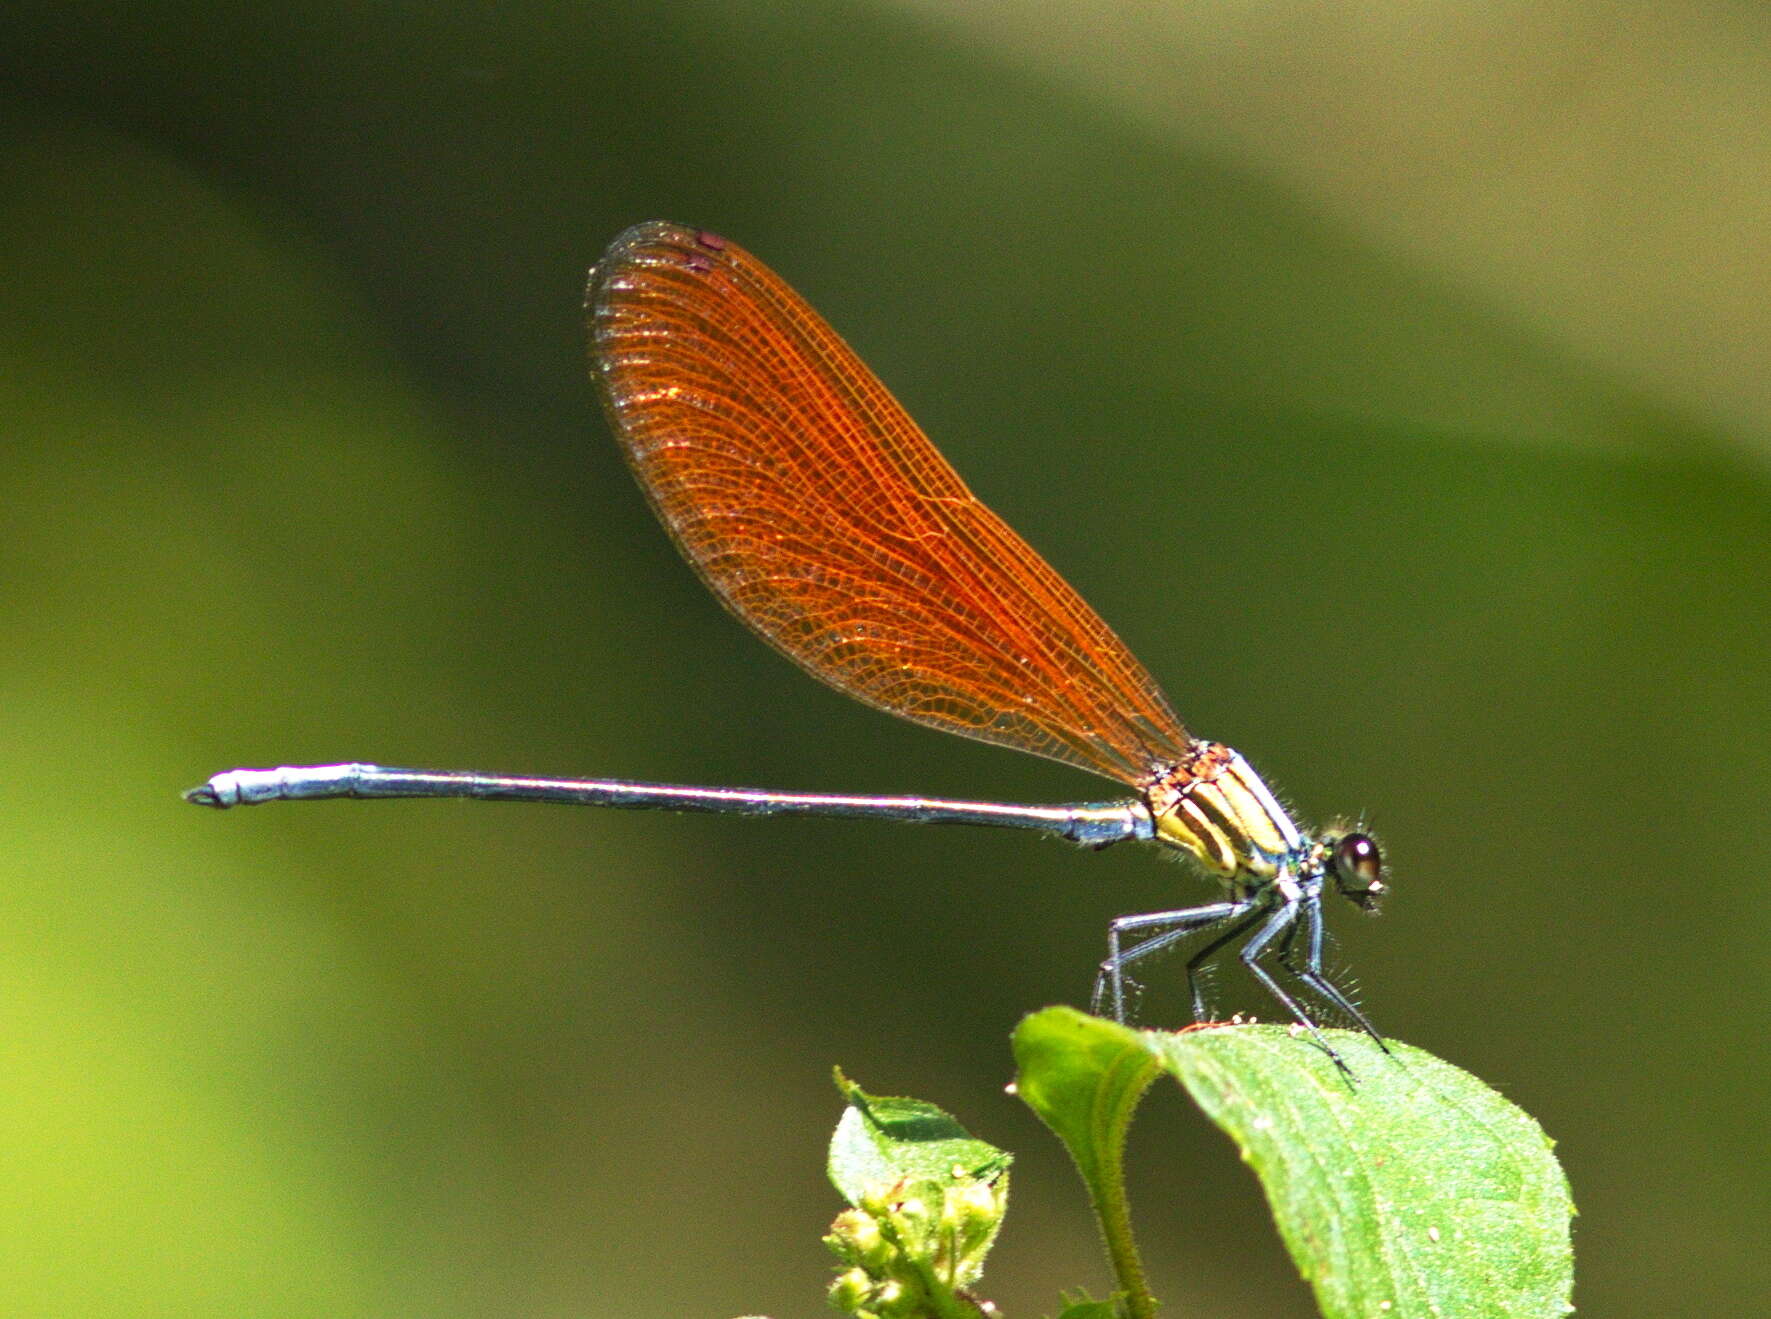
[(695, 248)]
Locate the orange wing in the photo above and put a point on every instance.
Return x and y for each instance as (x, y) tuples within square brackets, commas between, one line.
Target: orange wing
[(822, 516)]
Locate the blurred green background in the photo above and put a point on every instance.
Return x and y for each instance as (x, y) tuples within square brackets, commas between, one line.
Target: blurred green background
[(1395, 383)]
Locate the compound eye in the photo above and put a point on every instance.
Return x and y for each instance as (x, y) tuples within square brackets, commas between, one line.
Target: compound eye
[(1356, 858)]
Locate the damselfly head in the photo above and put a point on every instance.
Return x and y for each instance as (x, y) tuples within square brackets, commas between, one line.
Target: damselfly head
[(1356, 866)]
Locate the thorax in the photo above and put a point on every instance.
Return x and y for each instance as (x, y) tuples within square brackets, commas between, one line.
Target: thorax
[(1216, 808)]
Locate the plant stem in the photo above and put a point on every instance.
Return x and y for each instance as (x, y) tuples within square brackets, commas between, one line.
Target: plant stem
[(1106, 1191)]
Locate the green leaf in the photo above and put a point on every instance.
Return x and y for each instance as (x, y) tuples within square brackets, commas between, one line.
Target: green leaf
[(1413, 1190), (1416, 1191), (1084, 1077), (927, 1201), (884, 1141)]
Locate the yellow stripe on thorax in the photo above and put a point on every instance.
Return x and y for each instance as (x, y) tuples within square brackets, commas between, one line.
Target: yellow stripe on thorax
[(1217, 808)]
